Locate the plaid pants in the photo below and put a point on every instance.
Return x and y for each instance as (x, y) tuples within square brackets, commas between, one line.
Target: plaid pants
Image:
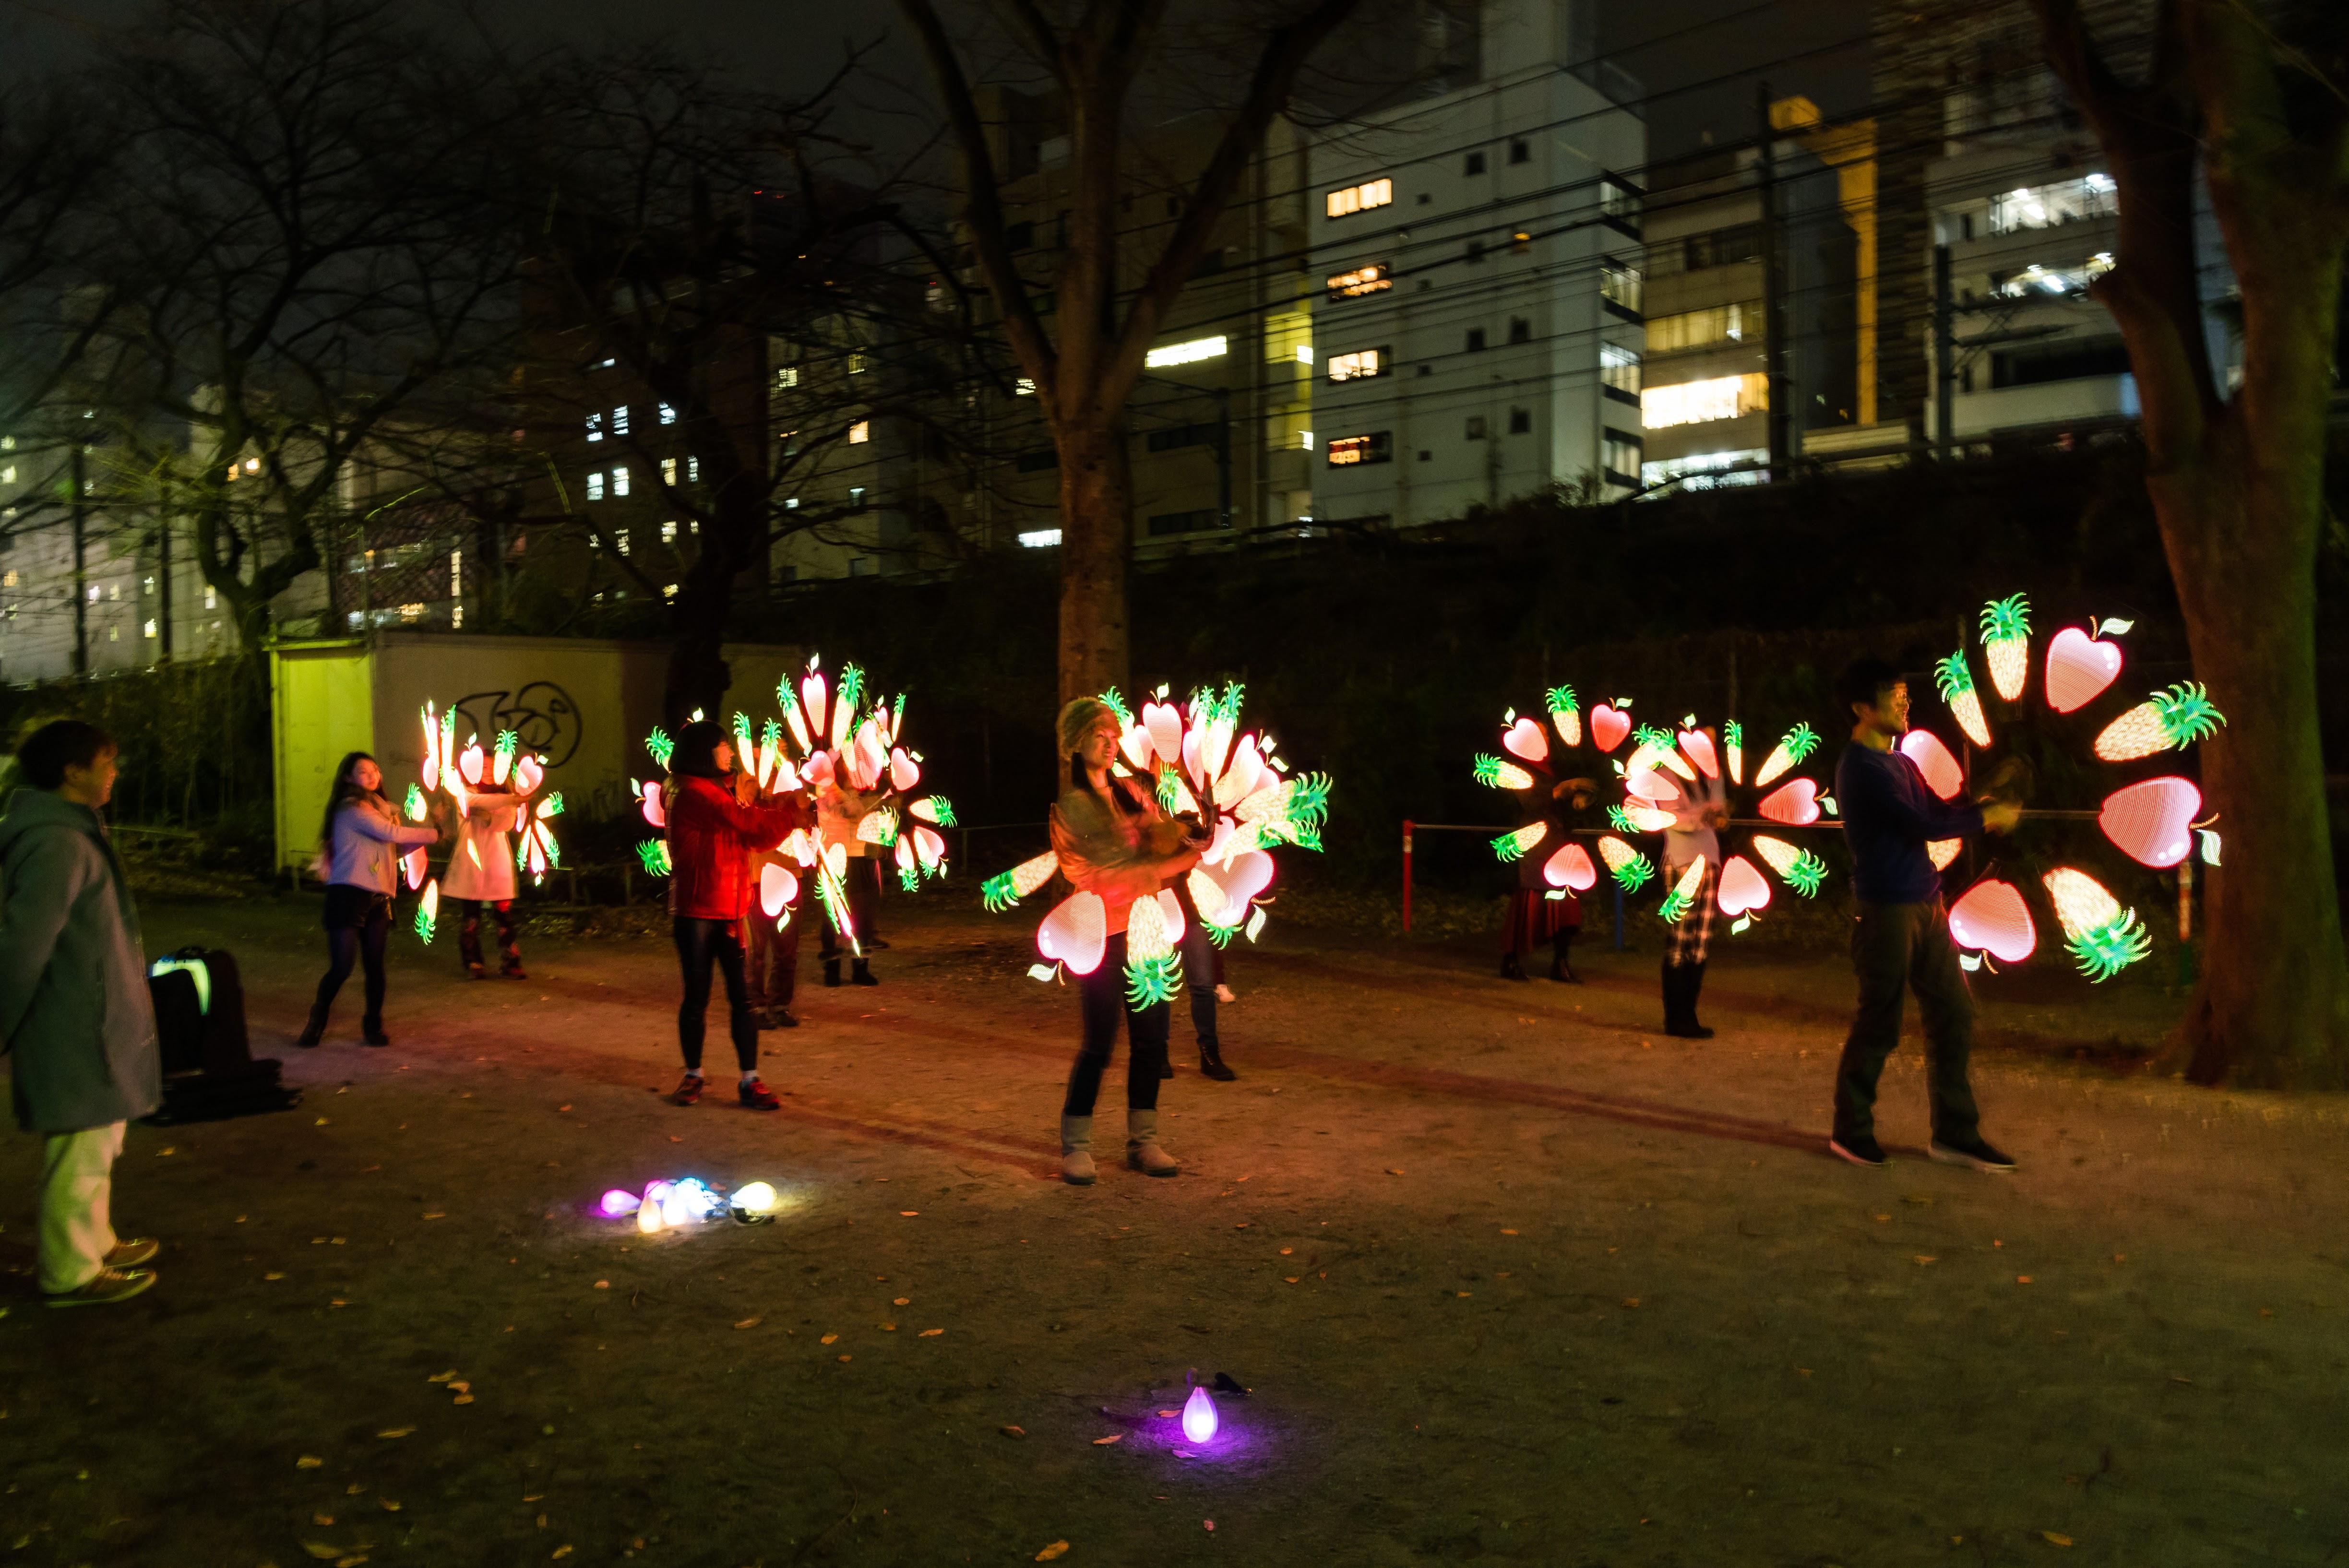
[(1692, 935)]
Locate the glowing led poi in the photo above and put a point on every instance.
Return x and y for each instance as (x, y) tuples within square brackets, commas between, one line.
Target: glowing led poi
[(1198, 762), (2007, 643)]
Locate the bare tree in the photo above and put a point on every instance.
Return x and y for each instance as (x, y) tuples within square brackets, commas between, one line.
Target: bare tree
[(2249, 100), (699, 238), (1086, 363), (311, 257)]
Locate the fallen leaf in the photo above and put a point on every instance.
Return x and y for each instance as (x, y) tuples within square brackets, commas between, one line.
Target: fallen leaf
[(1630, 1301), (269, 1276), (1054, 1550), (353, 1561), (829, 1339), (1462, 1293), (308, 1461), (1291, 1279), (562, 1107), (321, 1121), (339, 1301), (1923, 1258), (1169, 1414), (1112, 1437), (326, 1519), (1285, 1251), (1208, 1522), (929, 1333), (463, 1399), (1804, 1371), (354, 1489), (2120, 1257), (395, 1431), (1508, 1232), (448, 1375), (1013, 1431), (321, 1551), (160, 1152), (1394, 1169), (747, 1323), (341, 1241), (888, 1328), (2052, 1539), (389, 1506), (437, 1214), (902, 1301), (2022, 1279), (1881, 1218), (603, 1284), (562, 1552), (845, 1358), (2176, 1379), (909, 1213)]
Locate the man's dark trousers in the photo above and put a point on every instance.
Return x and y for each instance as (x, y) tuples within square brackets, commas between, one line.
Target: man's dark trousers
[(1893, 945)]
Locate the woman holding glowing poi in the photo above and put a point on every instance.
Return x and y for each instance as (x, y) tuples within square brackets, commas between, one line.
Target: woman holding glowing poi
[(1118, 848), (1538, 912), (360, 842), (481, 870), (840, 809), (714, 826)]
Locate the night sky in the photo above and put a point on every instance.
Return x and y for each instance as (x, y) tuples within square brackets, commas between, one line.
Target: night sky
[(1669, 44)]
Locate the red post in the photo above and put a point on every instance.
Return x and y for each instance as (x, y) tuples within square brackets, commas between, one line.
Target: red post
[(1406, 875)]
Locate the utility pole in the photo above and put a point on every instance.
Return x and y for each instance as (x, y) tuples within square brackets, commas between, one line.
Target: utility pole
[(1945, 352), (163, 574), (1224, 456), (81, 565), (1773, 287)]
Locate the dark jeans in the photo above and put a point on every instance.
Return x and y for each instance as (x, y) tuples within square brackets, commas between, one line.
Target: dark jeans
[(1101, 996), (698, 942), (356, 921), (1893, 945), (861, 882), (773, 975), (1200, 970), (468, 933)]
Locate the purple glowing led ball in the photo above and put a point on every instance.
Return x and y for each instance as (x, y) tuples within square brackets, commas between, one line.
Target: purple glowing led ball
[(617, 1203), (1199, 1418)]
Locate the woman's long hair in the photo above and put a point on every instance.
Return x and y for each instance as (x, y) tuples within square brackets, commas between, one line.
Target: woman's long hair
[(345, 790)]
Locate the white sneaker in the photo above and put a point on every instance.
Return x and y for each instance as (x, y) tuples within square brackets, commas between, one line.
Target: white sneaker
[(1224, 993)]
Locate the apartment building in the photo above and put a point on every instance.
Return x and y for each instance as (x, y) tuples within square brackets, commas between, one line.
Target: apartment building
[(1479, 332)]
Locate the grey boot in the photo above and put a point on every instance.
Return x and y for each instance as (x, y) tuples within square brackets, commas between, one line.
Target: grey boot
[(1077, 1150), (1142, 1150)]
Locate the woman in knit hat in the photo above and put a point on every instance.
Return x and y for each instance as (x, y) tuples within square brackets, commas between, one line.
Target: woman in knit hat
[(714, 826), (1114, 841)]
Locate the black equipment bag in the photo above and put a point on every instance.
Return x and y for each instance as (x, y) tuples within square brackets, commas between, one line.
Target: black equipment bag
[(207, 1067)]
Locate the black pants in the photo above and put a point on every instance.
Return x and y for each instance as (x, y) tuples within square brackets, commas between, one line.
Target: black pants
[(1101, 996), (468, 933), (1893, 945), (357, 921), (698, 942), (774, 956), (862, 883), (1201, 968)]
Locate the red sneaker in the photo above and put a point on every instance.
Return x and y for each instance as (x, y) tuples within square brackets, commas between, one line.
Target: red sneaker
[(757, 1095), (688, 1090)]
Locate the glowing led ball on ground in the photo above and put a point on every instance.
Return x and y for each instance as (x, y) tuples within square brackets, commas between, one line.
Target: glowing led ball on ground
[(1200, 1421), (1992, 918), (2153, 821)]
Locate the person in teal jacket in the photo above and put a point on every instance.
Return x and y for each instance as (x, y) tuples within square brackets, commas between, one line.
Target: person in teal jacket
[(75, 1013)]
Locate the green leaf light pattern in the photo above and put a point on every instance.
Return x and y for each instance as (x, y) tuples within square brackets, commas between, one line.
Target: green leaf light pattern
[(2107, 950), (942, 811), (851, 686), (653, 853), (1150, 981), (661, 747), (1116, 705)]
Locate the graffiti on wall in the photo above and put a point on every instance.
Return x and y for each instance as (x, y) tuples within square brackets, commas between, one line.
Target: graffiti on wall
[(542, 715)]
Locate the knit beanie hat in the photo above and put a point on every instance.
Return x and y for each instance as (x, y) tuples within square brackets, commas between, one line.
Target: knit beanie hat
[(697, 748), (1077, 718)]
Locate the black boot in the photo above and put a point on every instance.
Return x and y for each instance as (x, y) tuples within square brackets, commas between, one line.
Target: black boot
[(1211, 1062), (1510, 968), (861, 972), (1560, 968), (1690, 986), (313, 1030), (832, 971), (1680, 982)]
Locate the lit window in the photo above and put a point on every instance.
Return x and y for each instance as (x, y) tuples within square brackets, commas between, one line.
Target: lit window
[(211, 598), (1619, 200), (596, 485), (114, 634), (1361, 363), (669, 470), (1618, 454), (1304, 354), (857, 364), (1620, 368), (1705, 470), (1189, 353), (1697, 402), (1619, 282), (792, 503), (1361, 198), (595, 543), (8, 579), (859, 432), (693, 470), (669, 590), (411, 611), (620, 538), (1732, 323), (93, 593), (9, 475), (1023, 387), (148, 630), (146, 584), (1350, 451), (1305, 439), (1361, 281), (619, 481), (668, 532), (667, 415), (2035, 279), (1042, 538), (594, 427), (787, 376), (2045, 206), (114, 592), (620, 420)]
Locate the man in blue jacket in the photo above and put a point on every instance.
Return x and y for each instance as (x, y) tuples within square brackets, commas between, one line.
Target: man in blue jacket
[(74, 1008), (1901, 934)]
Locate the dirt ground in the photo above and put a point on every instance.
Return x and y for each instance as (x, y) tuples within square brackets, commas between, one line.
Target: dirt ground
[(1511, 1274)]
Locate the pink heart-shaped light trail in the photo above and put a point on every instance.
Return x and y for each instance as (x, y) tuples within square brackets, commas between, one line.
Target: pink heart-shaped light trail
[(1795, 803), (1570, 867), (2153, 821), (2079, 667), (1992, 918)]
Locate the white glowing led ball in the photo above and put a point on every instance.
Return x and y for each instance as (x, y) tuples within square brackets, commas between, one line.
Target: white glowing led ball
[(1199, 1418), (758, 1198)]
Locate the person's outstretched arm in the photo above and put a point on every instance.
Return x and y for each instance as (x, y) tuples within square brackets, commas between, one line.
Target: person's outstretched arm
[(1872, 795)]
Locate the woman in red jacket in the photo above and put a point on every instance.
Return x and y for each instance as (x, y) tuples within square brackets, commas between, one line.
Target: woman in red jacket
[(714, 828)]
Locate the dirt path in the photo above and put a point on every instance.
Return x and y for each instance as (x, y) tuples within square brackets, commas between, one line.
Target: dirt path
[(1512, 1277)]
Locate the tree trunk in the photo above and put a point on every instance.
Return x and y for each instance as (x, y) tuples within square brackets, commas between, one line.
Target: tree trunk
[(1096, 545)]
